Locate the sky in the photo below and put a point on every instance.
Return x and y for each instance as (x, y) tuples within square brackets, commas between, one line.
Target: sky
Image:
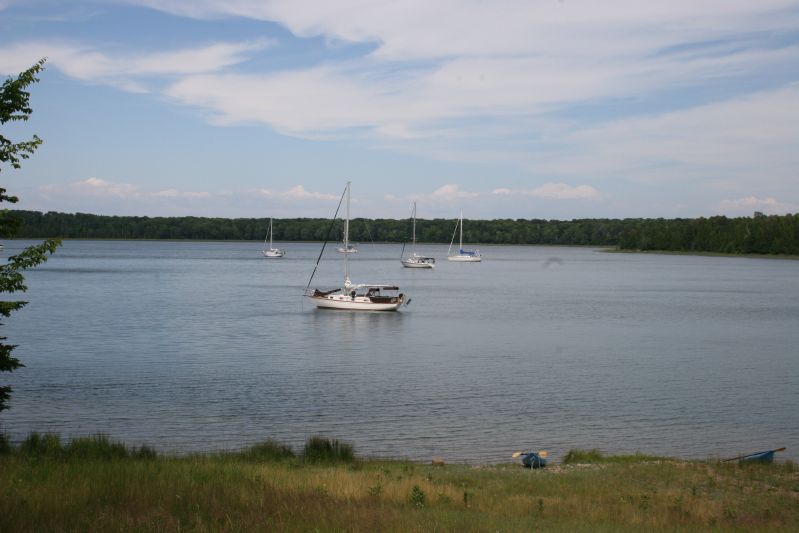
[(547, 109)]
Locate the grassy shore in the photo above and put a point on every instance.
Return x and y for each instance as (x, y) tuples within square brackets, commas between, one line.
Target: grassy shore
[(97, 485)]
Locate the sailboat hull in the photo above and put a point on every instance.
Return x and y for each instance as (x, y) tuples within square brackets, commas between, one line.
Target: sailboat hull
[(465, 258), (274, 253), (359, 303), (409, 263)]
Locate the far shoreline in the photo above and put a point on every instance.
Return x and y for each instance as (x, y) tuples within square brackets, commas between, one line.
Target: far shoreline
[(788, 257), (599, 248)]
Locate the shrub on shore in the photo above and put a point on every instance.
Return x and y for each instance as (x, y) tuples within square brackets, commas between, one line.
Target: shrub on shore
[(269, 450), (593, 456), (320, 449), (48, 445)]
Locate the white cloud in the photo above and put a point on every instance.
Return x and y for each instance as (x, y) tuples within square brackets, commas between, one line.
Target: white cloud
[(298, 192), (167, 193), (196, 194), (555, 191), (747, 205), (101, 196), (358, 96), (124, 70), (451, 192), (444, 195), (448, 28), (481, 61), (477, 82), (748, 141), (100, 188)]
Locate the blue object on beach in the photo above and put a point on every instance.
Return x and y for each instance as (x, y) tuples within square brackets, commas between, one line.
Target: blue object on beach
[(533, 460), (761, 457), (758, 457)]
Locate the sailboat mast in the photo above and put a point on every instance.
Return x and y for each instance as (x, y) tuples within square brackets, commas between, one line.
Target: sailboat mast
[(461, 247), (347, 238), (270, 234), (414, 228)]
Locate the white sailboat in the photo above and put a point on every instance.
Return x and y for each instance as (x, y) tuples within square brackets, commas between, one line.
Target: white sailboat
[(352, 296), (415, 260), (272, 251), (347, 249), (464, 256)]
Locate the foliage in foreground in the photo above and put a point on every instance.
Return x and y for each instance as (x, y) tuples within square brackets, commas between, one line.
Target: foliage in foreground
[(236, 491), (15, 107)]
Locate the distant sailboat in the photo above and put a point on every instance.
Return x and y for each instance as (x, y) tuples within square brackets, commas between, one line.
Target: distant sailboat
[(272, 251), (347, 249), (351, 296), (464, 256), (415, 260)]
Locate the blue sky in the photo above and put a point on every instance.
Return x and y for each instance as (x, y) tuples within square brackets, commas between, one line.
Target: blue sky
[(553, 109)]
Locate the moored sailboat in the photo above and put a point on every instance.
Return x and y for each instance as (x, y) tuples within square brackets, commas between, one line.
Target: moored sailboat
[(464, 256), (272, 251), (415, 260), (354, 296), (347, 249)]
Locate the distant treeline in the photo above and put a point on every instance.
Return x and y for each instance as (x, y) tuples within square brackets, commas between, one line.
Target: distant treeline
[(759, 234)]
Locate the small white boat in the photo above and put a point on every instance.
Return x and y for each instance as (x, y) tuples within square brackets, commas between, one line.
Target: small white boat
[(348, 249), (415, 260), (272, 251), (352, 296), (463, 256)]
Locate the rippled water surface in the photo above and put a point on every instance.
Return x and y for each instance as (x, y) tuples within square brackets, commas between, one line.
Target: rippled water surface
[(191, 346)]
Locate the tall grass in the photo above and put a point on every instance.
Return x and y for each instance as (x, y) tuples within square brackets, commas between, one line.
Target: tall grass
[(595, 456), (319, 449), (268, 450), (268, 487), (48, 445)]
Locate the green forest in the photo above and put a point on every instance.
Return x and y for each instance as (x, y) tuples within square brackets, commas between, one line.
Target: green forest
[(760, 234)]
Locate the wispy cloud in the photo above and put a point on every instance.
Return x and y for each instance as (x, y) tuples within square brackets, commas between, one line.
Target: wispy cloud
[(583, 98), (429, 67), (101, 188), (416, 29), (745, 206), (298, 192), (555, 191), (103, 196), (749, 141), (451, 192), (125, 70)]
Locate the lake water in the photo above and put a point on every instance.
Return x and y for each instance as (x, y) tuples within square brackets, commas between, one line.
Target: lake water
[(200, 346)]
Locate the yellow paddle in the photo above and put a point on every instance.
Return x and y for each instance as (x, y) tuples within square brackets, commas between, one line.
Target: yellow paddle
[(542, 454)]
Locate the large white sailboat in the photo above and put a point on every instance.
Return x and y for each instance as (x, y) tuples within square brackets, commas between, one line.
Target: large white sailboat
[(415, 260), (272, 251), (464, 256), (352, 296)]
